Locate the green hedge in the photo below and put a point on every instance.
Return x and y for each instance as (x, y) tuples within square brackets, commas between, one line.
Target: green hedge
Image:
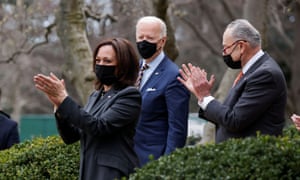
[(264, 157), (40, 158)]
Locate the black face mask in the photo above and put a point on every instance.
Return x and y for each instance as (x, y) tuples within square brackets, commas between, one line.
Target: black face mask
[(105, 74), (146, 49), (230, 63)]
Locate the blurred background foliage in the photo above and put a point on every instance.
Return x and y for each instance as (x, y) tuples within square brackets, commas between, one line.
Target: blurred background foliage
[(43, 36)]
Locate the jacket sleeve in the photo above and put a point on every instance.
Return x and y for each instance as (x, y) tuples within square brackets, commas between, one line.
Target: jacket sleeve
[(14, 137), (177, 99), (66, 130), (255, 98), (120, 110)]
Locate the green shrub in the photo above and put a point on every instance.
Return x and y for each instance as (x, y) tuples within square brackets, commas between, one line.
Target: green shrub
[(40, 158), (263, 157)]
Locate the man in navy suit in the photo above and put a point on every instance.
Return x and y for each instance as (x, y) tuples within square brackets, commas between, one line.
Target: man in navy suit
[(162, 126), (9, 134), (256, 103)]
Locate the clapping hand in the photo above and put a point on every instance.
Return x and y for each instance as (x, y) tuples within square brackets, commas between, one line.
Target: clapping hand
[(53, 87), (296, 119), (195, 80)]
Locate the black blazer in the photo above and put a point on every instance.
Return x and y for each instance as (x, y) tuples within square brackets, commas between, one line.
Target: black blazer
[(256, 103), (9, 134), (105, 128)]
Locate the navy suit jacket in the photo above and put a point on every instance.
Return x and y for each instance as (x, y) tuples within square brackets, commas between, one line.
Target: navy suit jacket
[(256, 103), (162, 126), (105, 128), (9, 133)]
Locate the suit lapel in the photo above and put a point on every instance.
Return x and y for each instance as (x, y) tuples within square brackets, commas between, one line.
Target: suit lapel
[(101, 102), (155, 76), (92, 100), (256, 65)]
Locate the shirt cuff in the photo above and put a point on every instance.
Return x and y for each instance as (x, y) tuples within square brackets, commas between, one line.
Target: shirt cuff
[(206, 100), (54, 109)]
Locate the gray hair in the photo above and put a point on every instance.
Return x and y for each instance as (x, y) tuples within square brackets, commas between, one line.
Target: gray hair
[(163, 26), (241, 29)]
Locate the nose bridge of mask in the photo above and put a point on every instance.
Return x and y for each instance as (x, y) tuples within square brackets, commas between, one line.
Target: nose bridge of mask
[(233, 48)]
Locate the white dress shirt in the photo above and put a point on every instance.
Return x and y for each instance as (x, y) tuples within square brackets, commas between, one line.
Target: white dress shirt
[(152, 66)]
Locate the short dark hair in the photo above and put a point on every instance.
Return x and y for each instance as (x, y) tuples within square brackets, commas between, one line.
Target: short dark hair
[(127, 68)]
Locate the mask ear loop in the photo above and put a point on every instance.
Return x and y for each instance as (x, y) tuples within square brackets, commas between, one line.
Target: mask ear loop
[(241, 53), (158, 49)]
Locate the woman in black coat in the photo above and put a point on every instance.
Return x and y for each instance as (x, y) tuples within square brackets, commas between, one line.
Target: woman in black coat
[(106, 125)]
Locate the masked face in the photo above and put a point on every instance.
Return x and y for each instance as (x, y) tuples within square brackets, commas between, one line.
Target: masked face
[(230, 63), (228, 59), (146, 49), (105, 74)]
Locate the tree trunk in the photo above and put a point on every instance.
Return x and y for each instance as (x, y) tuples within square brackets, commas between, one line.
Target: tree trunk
[(295, 86), (161, 11), (77, 51), (259, 18), (16, 100)]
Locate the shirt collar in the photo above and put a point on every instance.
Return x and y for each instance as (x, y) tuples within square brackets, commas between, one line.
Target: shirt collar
[(153, 64), (252, 61)]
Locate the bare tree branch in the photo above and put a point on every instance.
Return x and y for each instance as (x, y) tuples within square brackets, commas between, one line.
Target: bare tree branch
[(100, 18), (207, 10), (199, 36), (277, 24), (228, 10), (28, 51), (89, 13)]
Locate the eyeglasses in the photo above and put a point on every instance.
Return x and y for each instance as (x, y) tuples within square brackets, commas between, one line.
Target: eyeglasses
[(234, 43)]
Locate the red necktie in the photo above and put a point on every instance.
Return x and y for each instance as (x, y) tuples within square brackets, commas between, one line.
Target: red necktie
[(139, 79), (239, 76)]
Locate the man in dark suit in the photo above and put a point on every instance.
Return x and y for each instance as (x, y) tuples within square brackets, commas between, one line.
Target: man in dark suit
[(256, 102), (162, 126), (9, 134)]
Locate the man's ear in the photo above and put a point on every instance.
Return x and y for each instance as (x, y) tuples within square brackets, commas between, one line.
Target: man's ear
[(163, 41)]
